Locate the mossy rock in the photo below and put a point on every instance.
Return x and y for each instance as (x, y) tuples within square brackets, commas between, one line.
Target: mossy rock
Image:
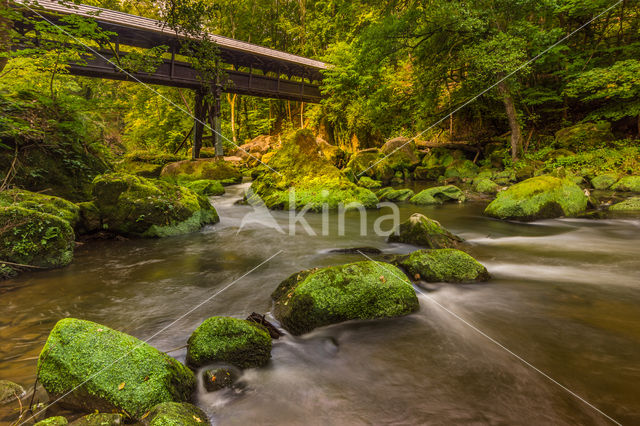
[(443, 265), (604, 181), (627, 184), (235, 341), (132, 205), (205, 187), (486, 186), (33, 238), (461, 169), (97, 368), (356, 291), (304, 178), (10, 391), (150, 157), (209, 169), (176, 414), (542, 197), (138, 168), (584, 136), (439, 195), (395, 195), (53, 421), (428, 173), (421, 231), (100, 419), (400, 154), (505, 177), (90, 219), (361, 162), (632, 205), (367, 182), (217, 379), (55, 206)]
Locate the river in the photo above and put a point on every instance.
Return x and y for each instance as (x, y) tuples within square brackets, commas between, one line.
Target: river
[(556, 329)]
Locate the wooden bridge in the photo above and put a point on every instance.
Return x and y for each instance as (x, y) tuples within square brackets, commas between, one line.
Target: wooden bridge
[(250, 69)]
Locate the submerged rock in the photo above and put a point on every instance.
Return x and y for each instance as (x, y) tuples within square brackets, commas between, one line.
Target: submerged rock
[(177, 414), (443, 265), (421, 231), (242, 343), (395, 195), (10, 391), (205, 187), (356, 291), (217, 379), (630, 205), (605, 181), (105, 370), (542, 197), (439, 195), (203, 169), (55, 206), (53, 421), (627, 184), (304, 178), (33, 238), (100, 419), (132, 205)]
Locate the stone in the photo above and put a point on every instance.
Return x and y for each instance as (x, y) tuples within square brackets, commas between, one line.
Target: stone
[(205, 187), (632, 205), (584, 136), (53, 421), (421, 231), (367, 182), (439, 195), (443, 265), (55, 206), (10, 391), (100, 419), (206, 168), (217, 379), (177, 414), (604, 181), (627, 184), (486, 186), (394, 195)]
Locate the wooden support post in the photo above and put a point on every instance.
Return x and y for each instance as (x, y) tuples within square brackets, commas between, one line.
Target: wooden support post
[(200, 115), (217, 129)]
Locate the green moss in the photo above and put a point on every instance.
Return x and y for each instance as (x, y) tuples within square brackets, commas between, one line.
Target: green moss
[(356, 291), (90, 220), (221, 339), (133, 205), (10, 391), (205, 187), (313, 181), (486, 186), (461, 169), (421, 231), (428, 173), (400, 154), (55, 206), (203, 169), (627, 184), (439, 195), (361, 162), (149, 157), (34, 238), (585, 136), (542, 197), (394, 195), (177, 414), (367, 182), (444, 265), (147, 170), (53, 421), (106, 370), (630, 205), (604, 181), (100, 419)]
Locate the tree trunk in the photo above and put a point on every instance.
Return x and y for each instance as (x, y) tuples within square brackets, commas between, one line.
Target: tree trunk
[(512, 115), (5, 32)]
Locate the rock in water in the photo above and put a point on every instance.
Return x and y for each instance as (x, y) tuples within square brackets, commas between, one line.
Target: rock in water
[(356, 291), (439, 195), (628, 184), (218, 379), (242, 343), (485, 185), (133, 205), (301, 167), (106, 370), (10, 391), (53, 421), (100, 419), (443, 265), (421, 231), (542, 197), (394, 195), (177, 414), (210, 169), (33, 238), (632, 205)]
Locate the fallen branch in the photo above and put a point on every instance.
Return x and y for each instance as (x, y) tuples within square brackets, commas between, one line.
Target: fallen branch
[(20, 265)]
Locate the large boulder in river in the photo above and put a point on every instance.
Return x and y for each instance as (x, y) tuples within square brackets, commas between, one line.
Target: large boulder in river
[(133, 205), (542, 197), (206, 168), (356, 291), (30, 237), (627, 184), (176, 414), (56, 206), (439, 195), (242, 343), (300, 176), (421, 231), (95, 368), (443, 265)]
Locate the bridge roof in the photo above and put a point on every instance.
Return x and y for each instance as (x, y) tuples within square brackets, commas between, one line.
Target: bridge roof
[(145, 32)]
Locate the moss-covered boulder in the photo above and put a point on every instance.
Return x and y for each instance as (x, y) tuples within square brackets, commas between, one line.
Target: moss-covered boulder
[(604, 181), (443, 265), (439, 195), (100, 419), (301, 177), (632, 205), (176, 414), (242, 343), (542, 197), (421, 231), (400, 154), (55, 206), (133, 205), (367, 182), (97, 368), (394, 195), (217, 379), (461, 169), (356, 291), (205, 187), (584, 136), (627, 184), (428, 173), (145, 163), (362, 162), (90, 219), (206, 168), (10, 391), (53, 421), (29, 237), (486, 186)]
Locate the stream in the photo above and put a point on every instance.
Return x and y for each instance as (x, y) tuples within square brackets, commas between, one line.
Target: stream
[(564, 297)]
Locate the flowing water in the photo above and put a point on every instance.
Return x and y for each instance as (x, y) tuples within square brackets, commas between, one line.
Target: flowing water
[(565, 297)]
